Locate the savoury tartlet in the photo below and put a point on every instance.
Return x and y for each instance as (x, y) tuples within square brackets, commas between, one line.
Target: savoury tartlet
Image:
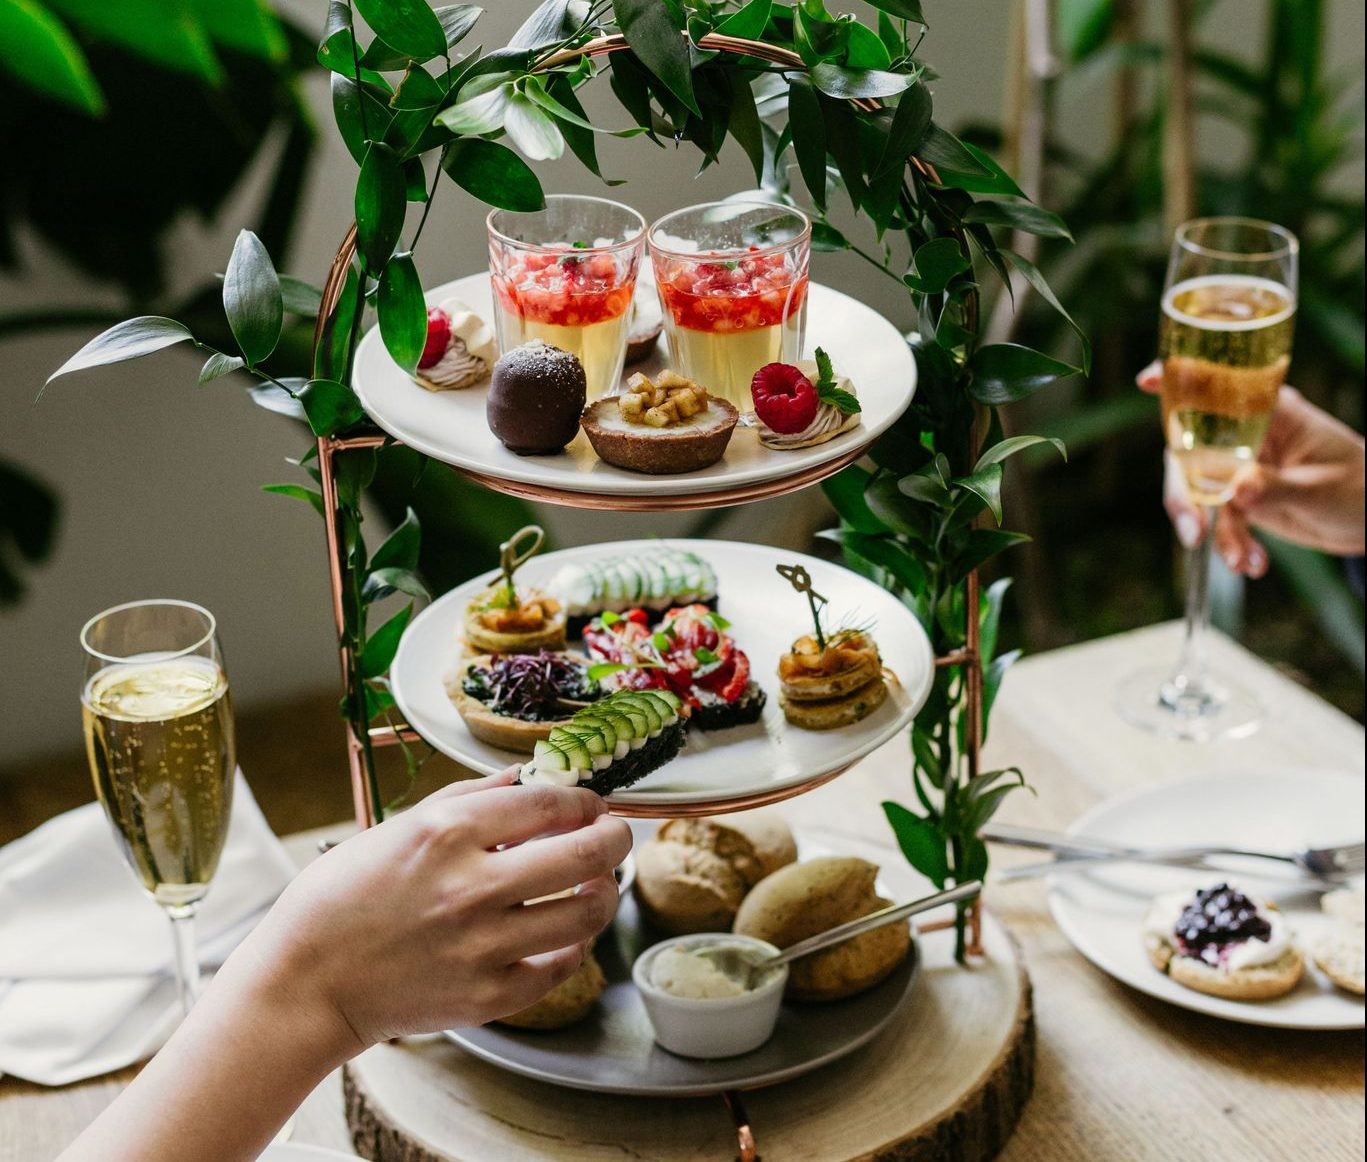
[(504, 620), (512, 701), (834, 683)]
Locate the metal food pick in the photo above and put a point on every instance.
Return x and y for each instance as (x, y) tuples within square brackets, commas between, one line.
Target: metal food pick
[(798, 577), (510, 559)]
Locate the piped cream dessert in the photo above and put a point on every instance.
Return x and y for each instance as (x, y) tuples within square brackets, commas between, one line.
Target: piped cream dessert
[(460, 349), (803, 404)]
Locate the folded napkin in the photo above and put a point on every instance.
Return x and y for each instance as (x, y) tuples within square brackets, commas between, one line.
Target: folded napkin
[(87, 980)]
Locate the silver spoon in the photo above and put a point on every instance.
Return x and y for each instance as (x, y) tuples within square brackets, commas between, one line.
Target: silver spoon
[(746, 972)]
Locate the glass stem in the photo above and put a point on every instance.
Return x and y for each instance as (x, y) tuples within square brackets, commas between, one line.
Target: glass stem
[(1190, 675), (187, 959)]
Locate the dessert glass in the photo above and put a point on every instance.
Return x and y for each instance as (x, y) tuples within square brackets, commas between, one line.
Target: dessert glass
[(566, 275), (732, 278)]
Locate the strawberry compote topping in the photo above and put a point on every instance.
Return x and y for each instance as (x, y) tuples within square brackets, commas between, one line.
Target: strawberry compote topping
[(785, 399), (564, 287), (732, 292), (438, 337), (686, 653)]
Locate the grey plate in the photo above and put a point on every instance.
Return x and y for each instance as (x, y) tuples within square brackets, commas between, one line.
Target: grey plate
[(614, 1051)]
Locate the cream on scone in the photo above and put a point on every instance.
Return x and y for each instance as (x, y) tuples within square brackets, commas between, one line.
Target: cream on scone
[(1223, 943)]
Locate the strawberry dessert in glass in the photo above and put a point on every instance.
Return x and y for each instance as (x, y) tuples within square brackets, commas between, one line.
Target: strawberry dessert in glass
[(565, 275), (733, 284)]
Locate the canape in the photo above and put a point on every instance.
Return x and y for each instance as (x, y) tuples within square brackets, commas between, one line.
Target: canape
[(654, 580), (512, 701)]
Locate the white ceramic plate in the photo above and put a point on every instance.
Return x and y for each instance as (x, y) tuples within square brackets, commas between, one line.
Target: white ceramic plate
[(614, 1051), (450, 425), (1102, 911), (765, 615)]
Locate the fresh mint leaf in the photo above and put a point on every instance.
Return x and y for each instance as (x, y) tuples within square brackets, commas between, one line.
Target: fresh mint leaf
[(826, 390)]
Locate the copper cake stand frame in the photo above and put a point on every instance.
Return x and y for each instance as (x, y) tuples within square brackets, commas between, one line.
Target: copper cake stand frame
[(969, 659)]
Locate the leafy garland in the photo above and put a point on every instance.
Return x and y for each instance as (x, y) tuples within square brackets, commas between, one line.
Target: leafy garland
[(856, 121)]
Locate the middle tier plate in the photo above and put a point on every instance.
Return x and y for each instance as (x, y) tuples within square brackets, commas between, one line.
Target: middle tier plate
[(723, 770), (450, 426)]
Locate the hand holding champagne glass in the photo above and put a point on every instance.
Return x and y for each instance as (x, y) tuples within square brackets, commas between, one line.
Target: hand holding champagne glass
[(1229, 307), (159, 737)]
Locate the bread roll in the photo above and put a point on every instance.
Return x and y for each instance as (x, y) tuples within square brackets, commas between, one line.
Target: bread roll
[(568, 1002), (803, 899)]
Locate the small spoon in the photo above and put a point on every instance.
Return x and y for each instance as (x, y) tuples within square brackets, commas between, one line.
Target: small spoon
[(745, 971)]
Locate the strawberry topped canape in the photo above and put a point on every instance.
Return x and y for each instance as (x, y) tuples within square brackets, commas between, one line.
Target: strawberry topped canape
[(460, 349), (688, 653)]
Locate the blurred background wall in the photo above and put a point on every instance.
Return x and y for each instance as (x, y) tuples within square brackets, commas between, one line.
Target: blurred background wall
[(158, 479)]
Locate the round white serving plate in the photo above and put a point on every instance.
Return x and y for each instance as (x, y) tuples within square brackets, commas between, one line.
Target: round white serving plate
[(613, 1050), (723, 770), (450, 425), (1101, 911)]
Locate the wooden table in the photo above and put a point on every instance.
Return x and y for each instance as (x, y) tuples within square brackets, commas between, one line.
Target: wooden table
[(1119, 1076)]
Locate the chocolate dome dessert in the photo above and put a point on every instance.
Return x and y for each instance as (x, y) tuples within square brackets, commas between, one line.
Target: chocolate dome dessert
[(535, 398)]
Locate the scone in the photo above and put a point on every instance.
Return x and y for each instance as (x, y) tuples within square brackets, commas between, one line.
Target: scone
[(803, 899), (568, 1002), (1339, 951), (693, 875), (1223, 943)]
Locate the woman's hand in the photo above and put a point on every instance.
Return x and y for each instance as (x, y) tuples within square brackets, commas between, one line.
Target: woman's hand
[(422, 923), (1307, 487)]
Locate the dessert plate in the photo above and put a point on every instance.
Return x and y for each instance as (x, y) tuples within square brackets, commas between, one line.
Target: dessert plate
[(613, 1050), (450, 426), (721, 770), (1101, 911)]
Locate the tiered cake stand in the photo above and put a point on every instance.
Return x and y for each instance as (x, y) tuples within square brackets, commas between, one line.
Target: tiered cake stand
[(949, 1075)]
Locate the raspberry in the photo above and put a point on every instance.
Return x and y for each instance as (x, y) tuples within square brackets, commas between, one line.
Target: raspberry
[(438, 336), (785, 399)]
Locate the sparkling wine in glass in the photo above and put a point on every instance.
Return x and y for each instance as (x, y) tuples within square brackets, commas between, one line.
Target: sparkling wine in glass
[(732, 278), (566, 275), (1229, 308), (159, 737)]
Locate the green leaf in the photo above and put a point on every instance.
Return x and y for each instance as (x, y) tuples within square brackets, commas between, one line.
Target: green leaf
[(330, 406), (577, 130), (338, 40), (1046, 292), (383, 644), (131, 339), (986, 484), (809, 136), (886, 553), (252, 299), (851, 84), (656, 37), (1013, 444), (401, 547), (826, 237), (744, 124), (300, 297), (990, 621), (935, 265), (532, 129), (480, 113), (360, 115), (38, 50), (906, 9), (218, 364), (929, 484), (982, 545), (987, 178), (278, 400), (943, 150), (1007, 372), (910, 123), (407, 26), (457, 20), (417, 90), (166, 34), (863, 49), (329, 360), (549, 24), (1019, 216), (381, 202), (494, 174), (297, 492), (402, 311), (921, 842), (845, 491), (748, 22), (382, 582), (245, 25)]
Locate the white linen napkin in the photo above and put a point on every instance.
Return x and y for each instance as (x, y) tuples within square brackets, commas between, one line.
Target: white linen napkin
[(87, 980)]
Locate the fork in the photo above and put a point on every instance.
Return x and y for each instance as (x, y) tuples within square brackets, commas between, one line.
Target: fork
[(1077, 852)]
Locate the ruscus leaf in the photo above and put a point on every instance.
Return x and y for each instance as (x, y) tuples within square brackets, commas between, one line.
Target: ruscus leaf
[(407, 26), (130, 339), (494, 174), (381, 201), (402, 311), (252, 299)]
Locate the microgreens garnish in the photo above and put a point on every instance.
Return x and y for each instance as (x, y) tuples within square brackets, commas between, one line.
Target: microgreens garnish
[(719, 623), (706, 656), (798, 577), (826, 389)]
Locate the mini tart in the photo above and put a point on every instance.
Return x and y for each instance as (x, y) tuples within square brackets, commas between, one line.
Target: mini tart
[(698, 442), (849, 662), (470, 355), (519, 735), (538, 623)]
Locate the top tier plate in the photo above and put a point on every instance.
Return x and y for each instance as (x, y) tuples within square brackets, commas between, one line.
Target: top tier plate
[(450, 426)]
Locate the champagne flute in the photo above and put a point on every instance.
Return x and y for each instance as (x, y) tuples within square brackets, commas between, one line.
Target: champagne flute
[(1229, 307), (159, 736)]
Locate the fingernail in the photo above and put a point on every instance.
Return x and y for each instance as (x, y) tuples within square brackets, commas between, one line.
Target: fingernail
[(1232, 560), (1257, 559), (1188, 530)]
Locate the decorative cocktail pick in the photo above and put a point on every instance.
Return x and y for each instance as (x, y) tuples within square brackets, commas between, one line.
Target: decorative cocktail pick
[(510, 557), (798, 577)]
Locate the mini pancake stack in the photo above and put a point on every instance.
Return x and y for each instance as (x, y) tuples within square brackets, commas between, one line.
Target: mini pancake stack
[(838, 685)]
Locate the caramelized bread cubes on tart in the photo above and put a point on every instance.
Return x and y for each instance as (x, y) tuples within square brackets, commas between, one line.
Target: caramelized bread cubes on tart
[(460, 350), (612, 743), (1223, 943), (831, 682), (689, 653), (660, 427), (513, 700), (654, 580)]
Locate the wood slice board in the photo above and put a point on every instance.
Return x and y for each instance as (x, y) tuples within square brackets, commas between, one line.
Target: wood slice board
[(948, 1078)]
